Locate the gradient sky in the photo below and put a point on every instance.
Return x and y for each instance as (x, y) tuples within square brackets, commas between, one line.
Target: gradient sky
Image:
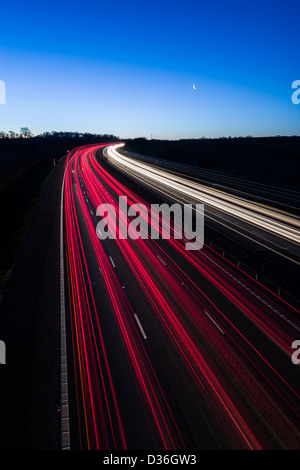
[(128, 67)]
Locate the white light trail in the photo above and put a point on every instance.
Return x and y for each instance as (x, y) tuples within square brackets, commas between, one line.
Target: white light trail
[(279, 223)]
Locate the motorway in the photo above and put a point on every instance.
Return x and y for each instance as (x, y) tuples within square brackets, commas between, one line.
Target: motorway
[(272, 228), (170, 348)]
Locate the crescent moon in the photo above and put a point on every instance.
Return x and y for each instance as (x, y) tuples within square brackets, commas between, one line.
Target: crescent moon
[(194, 87)]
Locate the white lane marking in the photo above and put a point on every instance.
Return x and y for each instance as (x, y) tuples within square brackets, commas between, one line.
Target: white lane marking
[(247, 288), (166, 192), (112, 261), (213, 321), (65, 429), (255, 214), (161, 260), (140, 326)]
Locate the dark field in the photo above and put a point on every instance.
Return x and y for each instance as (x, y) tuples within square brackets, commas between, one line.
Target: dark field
[(25, 165), (30, 192), (269, 160)]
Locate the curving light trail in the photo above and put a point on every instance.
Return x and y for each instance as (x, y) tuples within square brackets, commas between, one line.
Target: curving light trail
[(274, 221), (229, 379)]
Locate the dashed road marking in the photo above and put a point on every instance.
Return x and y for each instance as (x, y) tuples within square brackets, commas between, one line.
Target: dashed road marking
[(162, 261), (206, 313), (140, 326)]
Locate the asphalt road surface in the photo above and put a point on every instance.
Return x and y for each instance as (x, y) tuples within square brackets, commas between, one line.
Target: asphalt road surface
[(169, 348)]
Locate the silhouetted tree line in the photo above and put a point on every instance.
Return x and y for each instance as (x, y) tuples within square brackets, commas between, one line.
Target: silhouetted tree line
[(16, 148), (26, 133), (270, 160)]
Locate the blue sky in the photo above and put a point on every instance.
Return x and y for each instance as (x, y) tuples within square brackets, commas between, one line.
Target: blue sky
[(127, 68)]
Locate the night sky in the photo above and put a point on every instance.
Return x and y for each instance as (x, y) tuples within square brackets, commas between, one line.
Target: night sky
[(128, 67)]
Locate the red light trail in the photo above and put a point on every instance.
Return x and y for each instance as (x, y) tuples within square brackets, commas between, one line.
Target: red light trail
[(234, 386)]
